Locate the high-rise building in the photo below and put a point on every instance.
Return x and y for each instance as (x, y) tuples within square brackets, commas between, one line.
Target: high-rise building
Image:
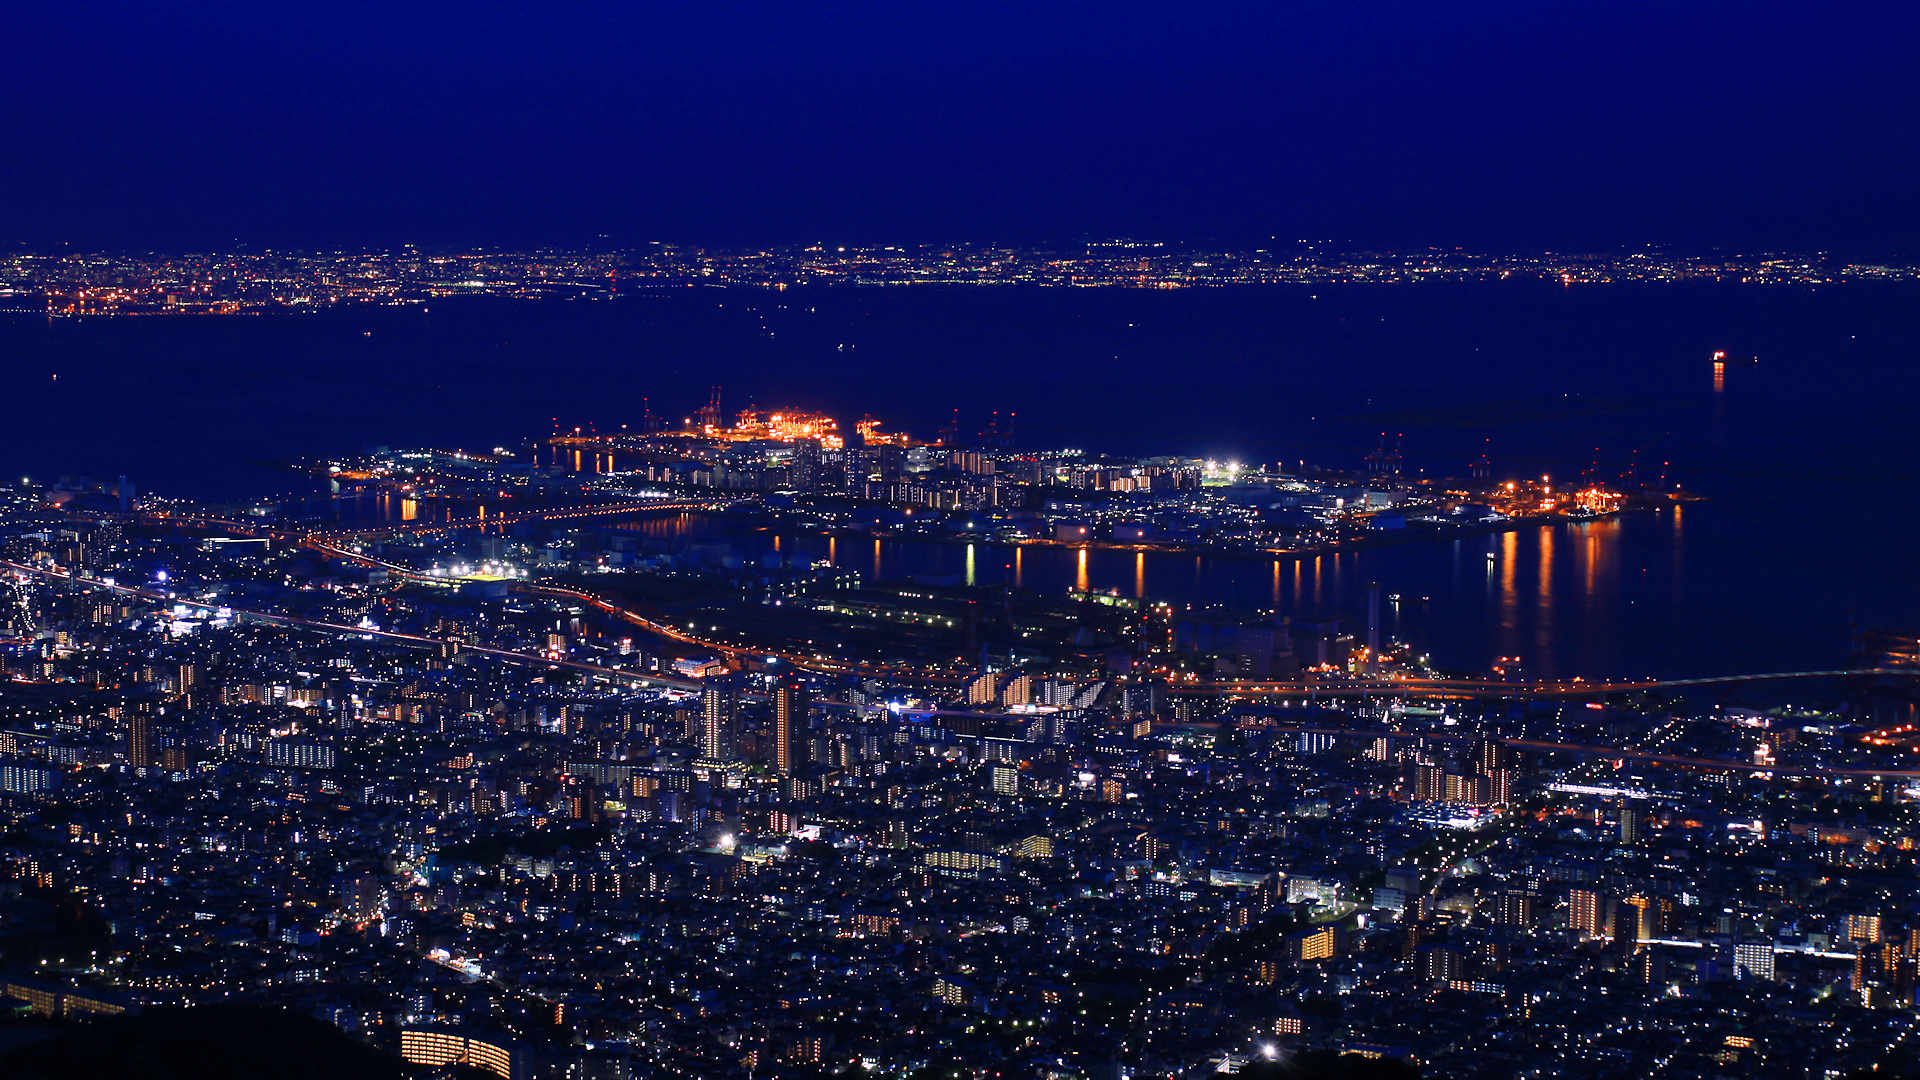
[(1515, 908), (1319, 944), (857, 465), (985, 688), (1017, 690), (1004, 778), (1439, 963), (791, 738), (1624, 928), (1429, 783), (1863, 927), (719, 716), (21, 776), (972, 462), (1491, 755), (1753, 959), (1633, 824), (803, 470), (1873, 969), (443, 1048), (1499, 786), (1583, 911), (1313, 742), (1644, 917), (1657, 918), (140, 741)]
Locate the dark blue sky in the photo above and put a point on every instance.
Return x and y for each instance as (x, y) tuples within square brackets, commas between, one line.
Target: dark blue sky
[(1490, 124)]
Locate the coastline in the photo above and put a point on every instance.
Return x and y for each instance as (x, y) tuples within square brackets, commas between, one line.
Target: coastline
[(1394, 538)]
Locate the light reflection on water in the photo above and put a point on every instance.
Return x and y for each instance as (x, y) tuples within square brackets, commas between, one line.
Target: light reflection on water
[(1620, 596), (1554, 594)]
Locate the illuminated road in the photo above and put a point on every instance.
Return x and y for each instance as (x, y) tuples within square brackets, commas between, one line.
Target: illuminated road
[(329, 544), (653, 626), (675, 682), (550, 513), (423, 528), (805, 661)]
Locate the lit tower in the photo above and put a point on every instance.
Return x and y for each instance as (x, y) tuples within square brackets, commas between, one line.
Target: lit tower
[(789, 727), (855, 459), (719, 711), (804, 467), (140, 741)]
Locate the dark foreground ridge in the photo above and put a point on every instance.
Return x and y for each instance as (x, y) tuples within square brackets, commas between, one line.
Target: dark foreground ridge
[(214, 1042)]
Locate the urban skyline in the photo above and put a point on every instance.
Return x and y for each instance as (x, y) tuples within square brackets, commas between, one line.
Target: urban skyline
[(246, 281), (554, 723), (1277, 541)]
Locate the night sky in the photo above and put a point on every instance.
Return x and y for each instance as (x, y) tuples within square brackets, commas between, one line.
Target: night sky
[(1488, 125)]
